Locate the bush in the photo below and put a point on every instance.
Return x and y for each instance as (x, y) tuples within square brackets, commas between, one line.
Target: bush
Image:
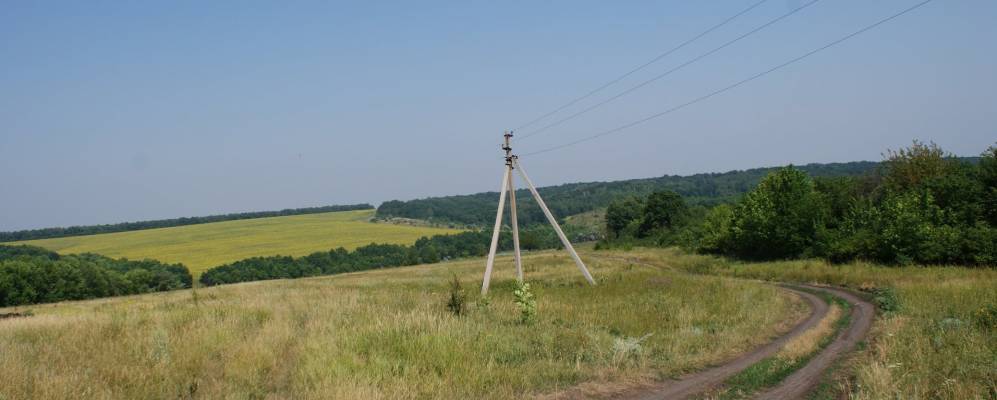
[(986, 317), (30, 275), (527, 303), (456, 303), (886, 299), (926, 207), (779, 219)]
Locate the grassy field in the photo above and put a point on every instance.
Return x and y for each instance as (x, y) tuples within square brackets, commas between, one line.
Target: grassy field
[(204, 246), (936, 344), (387, 334)]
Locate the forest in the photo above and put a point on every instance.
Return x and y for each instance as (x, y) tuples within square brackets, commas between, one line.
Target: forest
[(31, 275), (424, 251), (46, 233), (920, 206), (574, 198)]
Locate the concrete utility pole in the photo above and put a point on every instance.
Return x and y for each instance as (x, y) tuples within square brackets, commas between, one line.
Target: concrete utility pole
[(512, 162)]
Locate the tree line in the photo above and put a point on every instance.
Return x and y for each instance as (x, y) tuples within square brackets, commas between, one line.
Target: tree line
[(32, 275), (575, 198), (426, 250), (46, 233), (922, 205)]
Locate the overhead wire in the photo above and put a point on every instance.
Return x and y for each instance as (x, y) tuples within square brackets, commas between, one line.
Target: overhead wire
[(642, 66), (673, 70), (735, 85)]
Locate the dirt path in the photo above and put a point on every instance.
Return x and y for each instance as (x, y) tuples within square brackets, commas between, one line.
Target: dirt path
[(805, 379), (795, 386), (698, 382)]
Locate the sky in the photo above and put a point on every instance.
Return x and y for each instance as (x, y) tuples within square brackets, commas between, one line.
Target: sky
[(124, 111)]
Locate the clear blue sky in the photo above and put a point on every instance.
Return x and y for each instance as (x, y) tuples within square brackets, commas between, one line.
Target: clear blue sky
[(118, 111)]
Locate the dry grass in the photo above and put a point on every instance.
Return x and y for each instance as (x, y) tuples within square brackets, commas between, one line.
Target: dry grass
[(929, 348), (203, 246), (805, 344), (387, 334)]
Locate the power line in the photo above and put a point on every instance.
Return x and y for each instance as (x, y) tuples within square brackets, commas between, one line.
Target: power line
[(644, 65), (739, 83), (669, 72)]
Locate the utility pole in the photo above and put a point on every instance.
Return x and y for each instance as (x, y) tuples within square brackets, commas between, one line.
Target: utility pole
[(511, 163)]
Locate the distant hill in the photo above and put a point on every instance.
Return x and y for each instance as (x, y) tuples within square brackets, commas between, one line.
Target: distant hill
[(575, 198), (47, 233), (207, 245)]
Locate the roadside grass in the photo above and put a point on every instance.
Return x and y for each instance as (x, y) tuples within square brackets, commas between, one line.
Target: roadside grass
[(203, 246), (388, 334), (932, 345)]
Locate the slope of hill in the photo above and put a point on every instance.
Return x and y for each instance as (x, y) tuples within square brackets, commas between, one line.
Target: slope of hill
[(575, 198), (204, 246), (387, 334), (45, 233)]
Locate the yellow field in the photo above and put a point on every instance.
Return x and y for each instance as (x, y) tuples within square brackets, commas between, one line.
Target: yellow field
[(203, 246)]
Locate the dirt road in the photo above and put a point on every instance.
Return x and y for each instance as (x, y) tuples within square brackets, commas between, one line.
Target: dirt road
[(797, 385), (801, 382)]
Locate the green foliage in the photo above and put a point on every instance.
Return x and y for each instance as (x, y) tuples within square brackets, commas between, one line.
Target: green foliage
[(621, 214), (527, 303), (663, 210), (986, 317), (575, 198), (908, 168), (373, 256), (164, 223), (886, 299), (988, 177), (658, 220), (457, 301), (780, 218), (31, 275), (926, 207), (716, 232)]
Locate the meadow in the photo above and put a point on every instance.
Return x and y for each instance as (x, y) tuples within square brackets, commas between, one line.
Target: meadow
[(387, 334), (936, 337), (203, 246)]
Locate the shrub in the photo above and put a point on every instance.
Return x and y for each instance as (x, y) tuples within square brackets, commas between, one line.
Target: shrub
[(986, 317), (886, 299), (456, 303), (780, 218), (663, 210), (33, 275), (527, 303)]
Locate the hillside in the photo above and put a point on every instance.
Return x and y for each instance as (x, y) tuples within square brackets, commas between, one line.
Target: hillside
[(386, 334), (204, 246), (45, 233), (575, 198)]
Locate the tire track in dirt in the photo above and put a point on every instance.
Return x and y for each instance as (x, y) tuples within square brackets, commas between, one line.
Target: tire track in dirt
[(698, 382), (804, 380), (798, 384)]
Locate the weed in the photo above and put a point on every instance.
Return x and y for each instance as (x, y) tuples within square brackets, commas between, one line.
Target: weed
[(886, 299), (526, 302), (986, 317), (484, 303), (627, 349), (456, 304)]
